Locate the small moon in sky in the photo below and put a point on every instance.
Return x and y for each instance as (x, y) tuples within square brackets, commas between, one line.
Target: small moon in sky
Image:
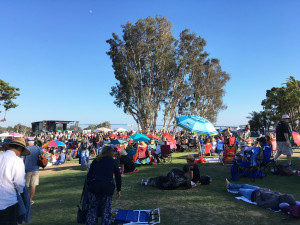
[(91, 11)]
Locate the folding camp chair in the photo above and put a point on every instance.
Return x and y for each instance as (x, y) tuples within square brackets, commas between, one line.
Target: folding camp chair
[(142, 155), (120, 216), (166, 154), (267, 163), (250, 164), (228, 155)]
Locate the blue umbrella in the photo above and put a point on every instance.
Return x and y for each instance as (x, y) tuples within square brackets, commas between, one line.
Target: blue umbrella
[(117, 142), (139, 137), (196, 124)]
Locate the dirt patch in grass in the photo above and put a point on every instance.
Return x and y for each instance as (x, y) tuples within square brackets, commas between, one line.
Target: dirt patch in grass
[(60, 168)]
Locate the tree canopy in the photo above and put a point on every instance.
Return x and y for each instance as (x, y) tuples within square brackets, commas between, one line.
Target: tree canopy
[(284, 100), (156, 71), (7, 94)]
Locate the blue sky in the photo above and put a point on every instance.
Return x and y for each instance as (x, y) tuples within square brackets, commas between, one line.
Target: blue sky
[(55, 52)]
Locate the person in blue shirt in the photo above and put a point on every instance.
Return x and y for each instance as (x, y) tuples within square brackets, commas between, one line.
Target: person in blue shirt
[(61, 158), (31, 167)]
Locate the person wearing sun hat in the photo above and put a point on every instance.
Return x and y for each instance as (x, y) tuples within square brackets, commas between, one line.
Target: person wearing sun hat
[(12, 178), (283, 134)]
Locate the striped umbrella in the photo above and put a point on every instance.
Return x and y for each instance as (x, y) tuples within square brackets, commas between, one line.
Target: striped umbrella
[(196, 124), (53, 144)]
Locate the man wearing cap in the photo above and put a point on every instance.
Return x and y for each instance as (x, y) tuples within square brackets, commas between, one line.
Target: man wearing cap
[(31, 167), (12, 178), (283, 134)]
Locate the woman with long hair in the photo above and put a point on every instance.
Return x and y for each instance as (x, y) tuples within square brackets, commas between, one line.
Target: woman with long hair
[(101, 186)]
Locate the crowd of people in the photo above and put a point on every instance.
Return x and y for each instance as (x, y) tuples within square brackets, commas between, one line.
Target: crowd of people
[(19, 168)]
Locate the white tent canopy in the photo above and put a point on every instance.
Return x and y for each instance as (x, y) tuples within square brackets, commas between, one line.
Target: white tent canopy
[(103, 129), (4, 134), (121, 129)]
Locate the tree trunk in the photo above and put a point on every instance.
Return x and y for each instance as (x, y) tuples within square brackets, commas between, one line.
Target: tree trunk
[(4, 118)]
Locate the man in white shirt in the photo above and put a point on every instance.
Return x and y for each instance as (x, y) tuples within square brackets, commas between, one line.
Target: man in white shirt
[(12, 178)]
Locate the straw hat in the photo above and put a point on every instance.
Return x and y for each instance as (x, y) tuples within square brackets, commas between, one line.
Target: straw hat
[(142, 144), (123, 153), (20, 142)]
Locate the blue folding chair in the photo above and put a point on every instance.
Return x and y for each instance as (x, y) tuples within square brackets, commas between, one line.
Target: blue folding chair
[(120, 216), (249, 166)]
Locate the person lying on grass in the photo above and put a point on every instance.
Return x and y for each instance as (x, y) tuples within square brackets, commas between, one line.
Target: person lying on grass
[(264, 197), (188, 177)]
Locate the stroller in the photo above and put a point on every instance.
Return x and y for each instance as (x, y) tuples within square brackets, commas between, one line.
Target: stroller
[(120, 216)]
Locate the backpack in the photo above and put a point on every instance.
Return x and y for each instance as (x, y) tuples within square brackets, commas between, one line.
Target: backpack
[(84, 145), (283, 170), (205, 180), (42, 161)]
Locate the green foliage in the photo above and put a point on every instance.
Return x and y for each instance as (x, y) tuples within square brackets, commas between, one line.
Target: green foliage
[(75, 128), (94, 127), (10, 129), (260, 121), (285, 100), (22, 129), (153, 69), (7, 94)]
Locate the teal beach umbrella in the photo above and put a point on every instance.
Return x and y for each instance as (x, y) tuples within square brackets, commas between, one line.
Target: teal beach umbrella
[(196, 124)]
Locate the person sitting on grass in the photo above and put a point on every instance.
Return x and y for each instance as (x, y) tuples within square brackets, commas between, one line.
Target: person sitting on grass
[(126, 163), (193, 170), (61, 158), (264, 197)]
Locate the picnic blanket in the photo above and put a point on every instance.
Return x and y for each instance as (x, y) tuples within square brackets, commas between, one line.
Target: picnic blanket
[(212, 160)]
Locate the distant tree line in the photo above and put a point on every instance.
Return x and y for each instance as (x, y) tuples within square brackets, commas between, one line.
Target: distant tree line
[(279, 101), (94, 127), (157, 72), (18, 128)]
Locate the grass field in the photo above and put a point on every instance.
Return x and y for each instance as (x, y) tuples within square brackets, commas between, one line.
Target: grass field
[(59, 193)]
